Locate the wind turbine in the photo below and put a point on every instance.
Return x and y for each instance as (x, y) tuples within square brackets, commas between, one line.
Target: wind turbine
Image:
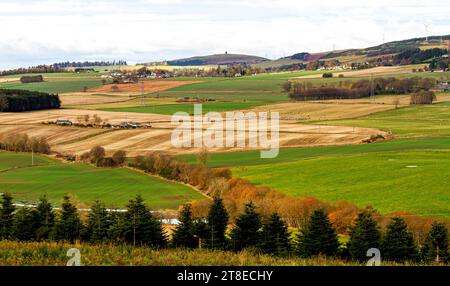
[(426, 31)]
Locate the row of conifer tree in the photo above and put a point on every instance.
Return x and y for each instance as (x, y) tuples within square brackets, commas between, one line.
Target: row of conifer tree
[(139, 226)]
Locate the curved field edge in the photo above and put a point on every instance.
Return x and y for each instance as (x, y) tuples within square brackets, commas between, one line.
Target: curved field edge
[(113, 186)]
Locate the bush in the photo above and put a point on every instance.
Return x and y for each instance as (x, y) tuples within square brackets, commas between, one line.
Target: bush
[(327, 75)]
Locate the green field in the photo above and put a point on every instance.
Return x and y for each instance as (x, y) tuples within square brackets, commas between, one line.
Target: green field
[(419, 120), (250, 158), (400, 175), (113, 186), (55, 86), (411, 181), (170, 109)]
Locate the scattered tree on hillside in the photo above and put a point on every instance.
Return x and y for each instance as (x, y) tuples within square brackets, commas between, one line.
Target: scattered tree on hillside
[(318, 237), (97, 154), (119, 157), (203, 156)]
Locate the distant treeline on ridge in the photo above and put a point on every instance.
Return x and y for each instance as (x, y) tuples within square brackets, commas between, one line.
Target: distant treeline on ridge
[(23, 100), (89, 64)]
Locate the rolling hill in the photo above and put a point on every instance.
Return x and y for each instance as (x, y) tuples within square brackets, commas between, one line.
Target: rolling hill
[(218, 59)]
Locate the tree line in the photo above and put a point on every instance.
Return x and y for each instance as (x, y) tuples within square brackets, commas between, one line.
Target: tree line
[(298, 90), (250, 230), (89, 64), (19, 142), (23, 100), (35, 69)]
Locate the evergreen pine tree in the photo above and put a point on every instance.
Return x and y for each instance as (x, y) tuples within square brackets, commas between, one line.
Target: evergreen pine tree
[(68, 225), (201, 232), (364, 235), (318, 237), (217, 224), (275, 236), (398, 243), (247, 233), (435, 248), (25, 224), (6, 216), (45, 218), (98, 223), (183, 235), (116, 230), (141, 227)]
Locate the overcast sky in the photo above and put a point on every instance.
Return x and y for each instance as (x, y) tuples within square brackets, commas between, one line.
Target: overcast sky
[(43, 32)]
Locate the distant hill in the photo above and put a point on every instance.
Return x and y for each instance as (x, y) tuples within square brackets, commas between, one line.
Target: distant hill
[(384, 51), (218, 59)]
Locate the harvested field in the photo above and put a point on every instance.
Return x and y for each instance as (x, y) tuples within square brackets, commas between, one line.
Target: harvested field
[(82, 98), (147, 86), (158, 138), (377, 71), (323, 110)]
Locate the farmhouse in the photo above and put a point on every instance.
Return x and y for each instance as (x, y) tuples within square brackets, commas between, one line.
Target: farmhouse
[(84, 70)]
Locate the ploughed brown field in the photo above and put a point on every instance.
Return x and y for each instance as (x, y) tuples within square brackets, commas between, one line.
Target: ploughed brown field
[(147, 86)]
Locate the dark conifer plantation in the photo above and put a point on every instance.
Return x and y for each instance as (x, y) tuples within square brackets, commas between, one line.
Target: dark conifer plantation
[(45, 219)]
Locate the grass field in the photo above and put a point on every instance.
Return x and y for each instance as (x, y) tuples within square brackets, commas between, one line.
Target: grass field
[(250, 158), (58, 86), (411, 181), (113, 186), (170, 109), (420, 120), (400, 175)]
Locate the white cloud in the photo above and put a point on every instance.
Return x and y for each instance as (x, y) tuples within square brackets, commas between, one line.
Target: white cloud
[(34, 32)]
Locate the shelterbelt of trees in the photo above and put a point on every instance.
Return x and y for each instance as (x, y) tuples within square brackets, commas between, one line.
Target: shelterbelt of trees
[(361, 88), (138, 226), (12, 100)]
